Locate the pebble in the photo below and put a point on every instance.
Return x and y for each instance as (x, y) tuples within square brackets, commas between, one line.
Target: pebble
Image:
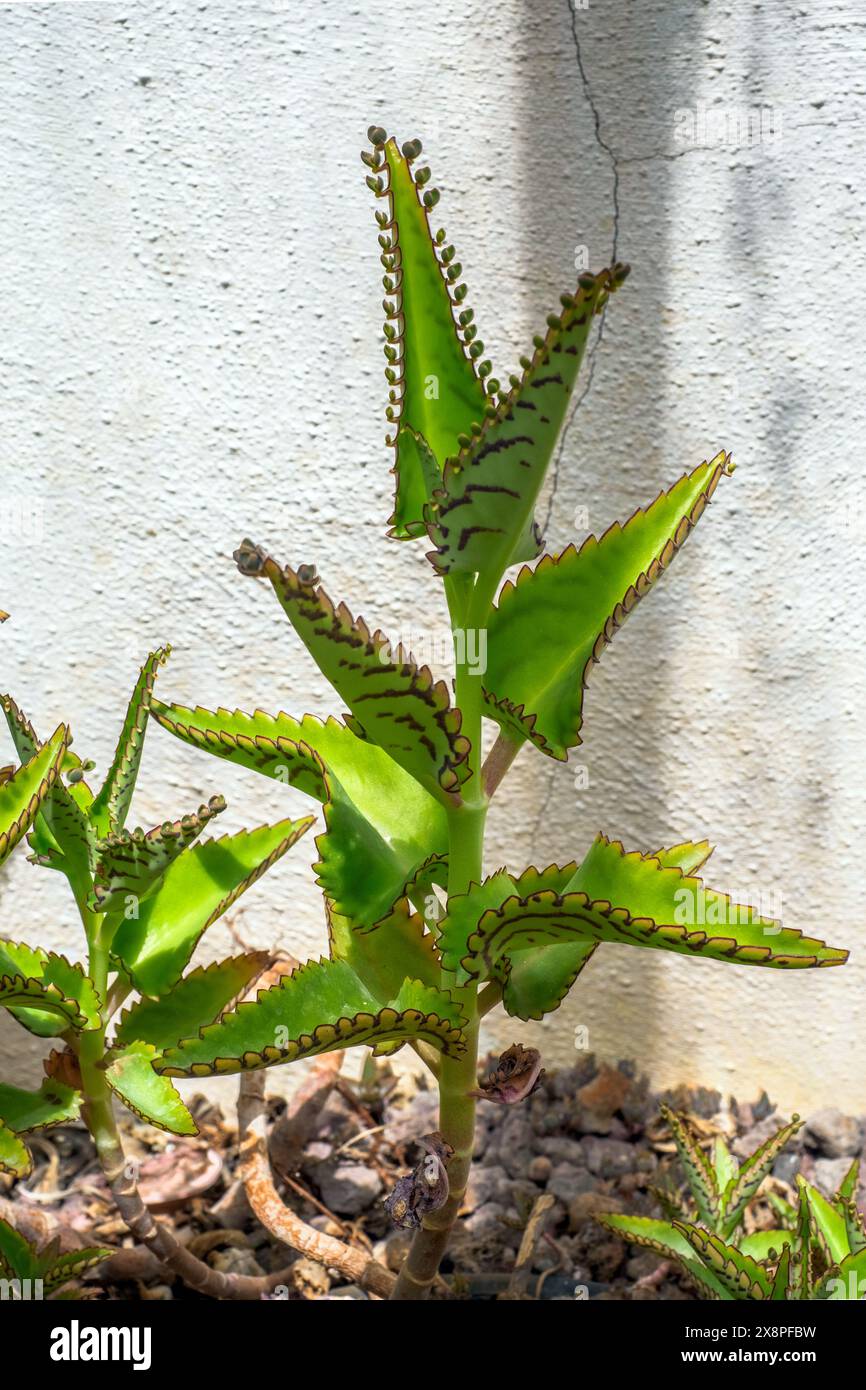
[(833, 1135)]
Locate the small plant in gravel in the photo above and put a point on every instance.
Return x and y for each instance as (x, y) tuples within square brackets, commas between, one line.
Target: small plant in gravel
[(30, 1272), (421, 944), (820, 1254)]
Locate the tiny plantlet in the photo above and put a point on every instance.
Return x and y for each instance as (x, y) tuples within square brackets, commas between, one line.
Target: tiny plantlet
[(422, 941), (819, 1254)]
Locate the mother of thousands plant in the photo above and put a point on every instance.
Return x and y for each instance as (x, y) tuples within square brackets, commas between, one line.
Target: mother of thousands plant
[(400, 778)]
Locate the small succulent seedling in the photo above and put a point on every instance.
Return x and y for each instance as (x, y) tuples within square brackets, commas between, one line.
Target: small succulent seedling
[(821, 1254), (31, 1272), (145, 898), (401, 779)]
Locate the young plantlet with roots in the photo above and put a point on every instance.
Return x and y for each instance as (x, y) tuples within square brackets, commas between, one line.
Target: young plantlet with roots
[(820, 1254), (400, 777)]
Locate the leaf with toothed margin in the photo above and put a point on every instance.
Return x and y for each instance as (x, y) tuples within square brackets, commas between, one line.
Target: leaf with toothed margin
[(382, 827), (14, 1155), (631, 899), (24, 793), (740, 1274), (478, 519), (45, 992), (196, 890), (52, 1104), (131, 863), (145, 1092), (397, 949), (61, 836), (111, 804), (697, 1167), (321, 1007), (745, 1182), (689, 856), (666, 1240), (196, 1000), (843, 1282), (435, 389), (550, 627), (395, 703), (22, 1260), (829, 1224)]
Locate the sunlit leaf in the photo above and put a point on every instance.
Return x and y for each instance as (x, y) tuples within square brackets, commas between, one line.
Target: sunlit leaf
[(150, 1096), (23, 794), (196, 1000), (111, 805)]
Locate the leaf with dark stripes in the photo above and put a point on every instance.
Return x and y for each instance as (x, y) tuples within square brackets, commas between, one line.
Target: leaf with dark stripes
[(111, 804), (45, 992), (52, 1104), (745, 1183), (129, 864), (23, 794), (699, 1171), (741, 1275)]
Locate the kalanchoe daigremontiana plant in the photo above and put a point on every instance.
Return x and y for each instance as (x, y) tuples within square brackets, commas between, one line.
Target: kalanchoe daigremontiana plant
[(820, 1254), (145, 899), (28, 1271), (400, 777)]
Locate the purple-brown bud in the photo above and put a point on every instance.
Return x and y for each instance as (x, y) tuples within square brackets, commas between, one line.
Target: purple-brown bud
[(515, 1076), (423, 1190)]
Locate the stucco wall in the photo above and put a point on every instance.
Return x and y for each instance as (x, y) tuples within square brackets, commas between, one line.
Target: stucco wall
[(191, 353)]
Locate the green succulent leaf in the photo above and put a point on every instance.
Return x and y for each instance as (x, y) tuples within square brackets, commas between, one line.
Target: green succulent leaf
[(14, 1155), (24, 793), (52, 1104), (828, 1223), (745, 1183), (195, 1001), (844, 1282), (382, 827), (72, 1265), (848, 1187), (626, 899), (19, 1259), (761, 1244), (111, 804), (689, 856), (725, 1165), (550, 627), (395, 703), (145, 1092), (194, 891), (397, 949), (782, 1277), (740, 1274), (478, 519), (45, 992), (129, 864), (321, 1007), (435, 390), (697, 1167), (669, 1241), (800, 1278)]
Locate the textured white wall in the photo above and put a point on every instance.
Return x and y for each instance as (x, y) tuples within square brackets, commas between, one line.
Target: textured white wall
[(191, 353)]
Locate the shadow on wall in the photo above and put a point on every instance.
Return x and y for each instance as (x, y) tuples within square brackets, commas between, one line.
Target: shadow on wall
[(602, 85)]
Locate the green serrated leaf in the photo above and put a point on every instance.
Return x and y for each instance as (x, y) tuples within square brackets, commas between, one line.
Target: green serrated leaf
[(626, 899), (848, 1187), (111, 804), (196, 1000), (14, 1155), (478, 519), (844, 1282), (689, 856), (23, 794), (195, 890), (741, 1275), (129, 864), (782, 1277), (395, 703), (725, 1166), (52, 1104), (18, 1258), (145, 1092), (438, 393), (669, 1242), (321, 1007), (45, 992), (73, 1264), (397, 949), (552, 624), (744, 1184), (699, 1172), (761, 1244), (376, 815), (828, 1223)]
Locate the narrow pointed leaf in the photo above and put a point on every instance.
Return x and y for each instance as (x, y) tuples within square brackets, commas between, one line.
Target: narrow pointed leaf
[(145, 1092), (741, 1275), (321, 1007), (627, 899), (73, 1264), (829, 1224), (781, 1279), (14, 1155), (45, 992), (479, 517), (196, 890), (552, 624), (129, 864), (382, 826), (689, 856), (23, 794), (725, 1166), (801, 1274), (111, 805), (669, 1242), (18, 1258), (745, 1183), (437, 392), (52, 1104), (848, 1188), (394, 702), (196, 1000), (697, 1167)]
